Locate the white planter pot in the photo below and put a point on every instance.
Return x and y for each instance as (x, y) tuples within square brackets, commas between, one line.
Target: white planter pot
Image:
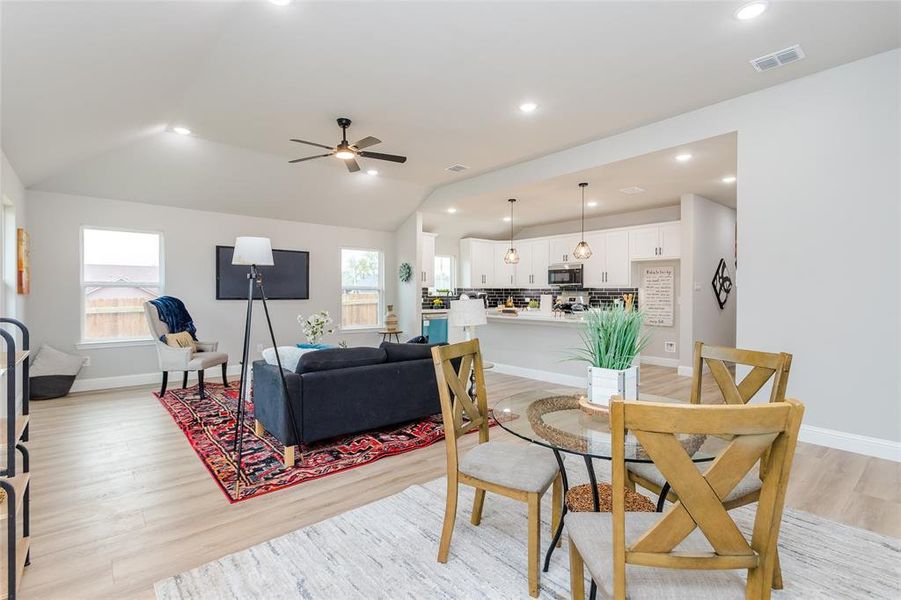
[(606, 383)]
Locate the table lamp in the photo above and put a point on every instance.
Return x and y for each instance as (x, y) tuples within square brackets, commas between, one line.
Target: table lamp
[(467, 314)]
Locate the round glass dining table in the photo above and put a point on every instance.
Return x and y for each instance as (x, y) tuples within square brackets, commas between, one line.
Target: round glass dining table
[(554, 418)]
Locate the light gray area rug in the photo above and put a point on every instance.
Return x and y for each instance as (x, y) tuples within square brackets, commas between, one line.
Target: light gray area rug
[(387, 550)]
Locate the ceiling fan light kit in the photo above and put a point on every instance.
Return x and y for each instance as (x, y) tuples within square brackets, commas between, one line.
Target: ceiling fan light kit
[(583, 250), (512, 256), (349, 152)]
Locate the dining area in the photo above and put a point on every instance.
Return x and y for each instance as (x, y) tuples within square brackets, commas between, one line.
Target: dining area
[(649, 497)]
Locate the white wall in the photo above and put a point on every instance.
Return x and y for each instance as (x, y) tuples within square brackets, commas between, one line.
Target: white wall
[(408, 294), (708, 235), (189, 239), (12, 189), (638, 217), (818, 199)]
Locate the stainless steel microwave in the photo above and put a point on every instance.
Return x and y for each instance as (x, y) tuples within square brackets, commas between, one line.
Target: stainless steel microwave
[(565, 274)]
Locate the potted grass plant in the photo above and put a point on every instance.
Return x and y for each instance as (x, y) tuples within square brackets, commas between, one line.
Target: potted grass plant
[(611, 340)]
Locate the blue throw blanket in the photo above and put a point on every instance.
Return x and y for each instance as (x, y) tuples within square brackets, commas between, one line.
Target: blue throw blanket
[(173, 313)]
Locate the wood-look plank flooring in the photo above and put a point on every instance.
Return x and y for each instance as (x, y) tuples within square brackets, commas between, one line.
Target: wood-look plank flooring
[(120, 500)]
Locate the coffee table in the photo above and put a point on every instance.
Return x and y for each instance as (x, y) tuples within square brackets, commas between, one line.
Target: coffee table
[(551, 417)]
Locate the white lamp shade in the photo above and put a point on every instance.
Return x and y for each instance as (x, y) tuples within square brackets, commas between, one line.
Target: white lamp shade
[(467, 313), (253, 251)]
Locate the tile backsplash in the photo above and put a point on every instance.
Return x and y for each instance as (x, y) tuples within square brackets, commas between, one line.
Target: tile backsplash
[(596, 296)]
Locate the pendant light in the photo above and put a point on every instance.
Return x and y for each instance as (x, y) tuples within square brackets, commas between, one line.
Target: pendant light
[(583, 250), (512, 256)]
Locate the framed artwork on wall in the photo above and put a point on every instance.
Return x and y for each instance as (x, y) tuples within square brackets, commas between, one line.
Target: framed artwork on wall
[(23, 262)]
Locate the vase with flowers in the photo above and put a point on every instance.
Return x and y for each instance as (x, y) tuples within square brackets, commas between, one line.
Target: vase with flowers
[(315, 326)]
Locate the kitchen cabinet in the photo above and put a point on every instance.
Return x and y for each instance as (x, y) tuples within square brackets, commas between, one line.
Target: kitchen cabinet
[(656, 242), (476, 263), (427, 260), (609, 263), (561, 248), (531, 272), (504, 274)]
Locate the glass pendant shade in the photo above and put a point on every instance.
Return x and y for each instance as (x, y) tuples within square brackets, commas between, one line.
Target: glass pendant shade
[(512, 256), (582, 251)]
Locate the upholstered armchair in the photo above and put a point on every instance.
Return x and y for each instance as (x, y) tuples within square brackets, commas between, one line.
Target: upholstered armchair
[(183, 359)]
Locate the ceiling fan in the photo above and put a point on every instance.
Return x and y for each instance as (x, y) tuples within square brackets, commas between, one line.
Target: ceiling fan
[(349, 152)]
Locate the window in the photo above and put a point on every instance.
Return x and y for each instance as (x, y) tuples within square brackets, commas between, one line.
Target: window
[(361, 293), (120, 270), (444, 274)]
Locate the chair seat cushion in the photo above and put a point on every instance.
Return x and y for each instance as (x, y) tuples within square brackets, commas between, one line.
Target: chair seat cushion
[(750, 482), (205, 360), (523, 467), (592, 533)]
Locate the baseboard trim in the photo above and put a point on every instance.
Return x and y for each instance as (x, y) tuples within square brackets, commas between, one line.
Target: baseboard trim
[(685, 371), (660, 361), (851, 442), (123, 381), (539, 375)]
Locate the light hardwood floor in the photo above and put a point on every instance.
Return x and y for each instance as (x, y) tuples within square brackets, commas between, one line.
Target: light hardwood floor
[(120, 500)]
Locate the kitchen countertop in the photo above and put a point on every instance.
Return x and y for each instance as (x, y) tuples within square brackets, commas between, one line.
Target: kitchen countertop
[(433, 312), (535, 317)]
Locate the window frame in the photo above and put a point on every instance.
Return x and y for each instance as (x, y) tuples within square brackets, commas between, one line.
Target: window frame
[(83, 284), (433, 291), (380, 289)]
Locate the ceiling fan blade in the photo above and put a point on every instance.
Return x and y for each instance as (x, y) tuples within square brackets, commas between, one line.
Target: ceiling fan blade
[(367, 142), (380, 156), (311, 144), (297, 160), (352, 165)]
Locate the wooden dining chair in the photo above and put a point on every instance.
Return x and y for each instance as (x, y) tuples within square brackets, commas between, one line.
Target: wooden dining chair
[(765, 366), (697, 532), (520, 471)]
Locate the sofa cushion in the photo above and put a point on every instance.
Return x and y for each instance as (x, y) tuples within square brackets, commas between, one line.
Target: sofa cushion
[(408, 351), (340, 358)]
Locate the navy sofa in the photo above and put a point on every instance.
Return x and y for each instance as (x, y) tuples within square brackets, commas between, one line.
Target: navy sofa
[(340, 391)]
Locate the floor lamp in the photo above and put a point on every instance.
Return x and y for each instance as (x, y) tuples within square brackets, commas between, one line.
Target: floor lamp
[(254, 252), (468, 314)]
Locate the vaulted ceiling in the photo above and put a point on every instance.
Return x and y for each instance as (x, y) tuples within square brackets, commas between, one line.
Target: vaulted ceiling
[(90, 90)]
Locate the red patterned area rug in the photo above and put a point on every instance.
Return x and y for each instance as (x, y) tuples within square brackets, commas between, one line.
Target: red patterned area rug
[(209, 425)]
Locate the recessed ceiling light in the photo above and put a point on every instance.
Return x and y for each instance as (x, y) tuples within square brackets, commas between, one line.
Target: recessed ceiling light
[(591, 203), (372, 172), (181, 130), (752, 10), (683, 157), (729, 179), (528, 107), (452, 210), (280, 2), (506, 219)]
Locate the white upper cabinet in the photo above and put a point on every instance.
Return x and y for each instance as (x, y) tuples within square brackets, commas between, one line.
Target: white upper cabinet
[(427, 259), (531, 272), (476, 263), (504, 274), (609, 262), (561, 248), (656, 242), (671, 240)]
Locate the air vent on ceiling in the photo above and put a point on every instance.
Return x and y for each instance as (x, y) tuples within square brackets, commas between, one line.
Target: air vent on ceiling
[(632, 190), (456, 168), (778, 59)]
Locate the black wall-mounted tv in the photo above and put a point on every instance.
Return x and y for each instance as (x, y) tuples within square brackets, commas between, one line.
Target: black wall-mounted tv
[(288, 279)]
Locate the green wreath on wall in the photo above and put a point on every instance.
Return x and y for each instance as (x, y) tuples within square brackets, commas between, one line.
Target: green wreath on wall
[(405, 272)]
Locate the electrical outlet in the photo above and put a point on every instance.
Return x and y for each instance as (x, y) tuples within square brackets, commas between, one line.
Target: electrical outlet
[(669, 346), (86, 361)]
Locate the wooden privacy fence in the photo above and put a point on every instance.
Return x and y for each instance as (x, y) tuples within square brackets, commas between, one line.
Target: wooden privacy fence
[(115, 318), (360, 309)]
